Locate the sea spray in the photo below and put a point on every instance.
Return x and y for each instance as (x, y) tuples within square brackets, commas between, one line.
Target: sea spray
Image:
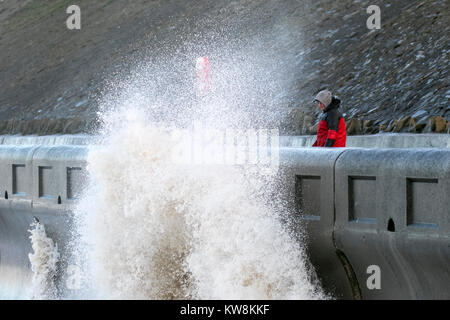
[(156, 229), (43, 261)]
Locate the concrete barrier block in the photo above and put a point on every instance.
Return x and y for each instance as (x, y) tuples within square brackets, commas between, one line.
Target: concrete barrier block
[(52, 174), (37, 182), (392, 212), (309, 175), (15, 171), (60, 173)]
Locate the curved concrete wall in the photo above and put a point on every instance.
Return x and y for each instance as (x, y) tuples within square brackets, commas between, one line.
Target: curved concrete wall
[(387, 208), (385, 140), (308, 175), (41, 182), (392, 211), (50, 140), (359, 208)]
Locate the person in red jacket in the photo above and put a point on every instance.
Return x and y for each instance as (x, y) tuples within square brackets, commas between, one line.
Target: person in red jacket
[(331, 131)]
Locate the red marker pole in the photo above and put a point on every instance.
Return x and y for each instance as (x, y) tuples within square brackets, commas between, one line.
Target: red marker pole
[(202, 76)]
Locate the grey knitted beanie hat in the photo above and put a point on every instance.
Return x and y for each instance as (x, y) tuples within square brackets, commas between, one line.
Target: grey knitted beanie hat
[(325, 97)]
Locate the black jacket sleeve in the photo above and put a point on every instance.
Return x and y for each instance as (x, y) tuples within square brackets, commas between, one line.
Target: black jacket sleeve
[(333, 126), (329, 142)]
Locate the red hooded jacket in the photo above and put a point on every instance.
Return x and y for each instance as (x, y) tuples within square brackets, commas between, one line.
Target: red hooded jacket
[(331, 131)]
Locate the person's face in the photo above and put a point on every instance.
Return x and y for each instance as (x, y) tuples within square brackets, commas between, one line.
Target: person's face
[(321, 105)]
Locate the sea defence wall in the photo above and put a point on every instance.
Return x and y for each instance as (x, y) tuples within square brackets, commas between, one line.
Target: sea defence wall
[(35, 181), (377, 220), (384, 140)]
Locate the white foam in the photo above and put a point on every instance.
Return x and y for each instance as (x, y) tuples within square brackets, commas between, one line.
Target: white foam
[(43, 261), (154, 229)]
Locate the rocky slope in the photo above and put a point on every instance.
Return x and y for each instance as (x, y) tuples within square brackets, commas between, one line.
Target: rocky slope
[(395, 79)]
